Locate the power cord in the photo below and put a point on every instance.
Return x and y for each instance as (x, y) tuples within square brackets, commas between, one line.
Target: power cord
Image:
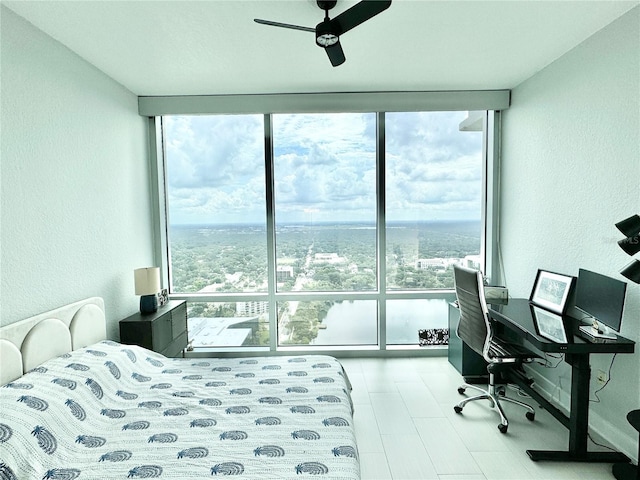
[(548, 364), (518, 389), (595, 394), (600, 444)]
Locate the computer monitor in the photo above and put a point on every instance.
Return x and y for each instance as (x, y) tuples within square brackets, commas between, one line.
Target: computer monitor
[(601, 297)]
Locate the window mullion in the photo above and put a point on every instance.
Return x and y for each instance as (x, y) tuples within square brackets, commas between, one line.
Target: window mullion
[(271, 232), (381, 231)]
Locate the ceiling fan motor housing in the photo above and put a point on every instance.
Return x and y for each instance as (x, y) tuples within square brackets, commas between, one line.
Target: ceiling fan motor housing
[(326, 4)]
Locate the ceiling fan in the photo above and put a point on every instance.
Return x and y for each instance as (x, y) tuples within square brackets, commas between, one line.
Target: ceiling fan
[(329, 30)]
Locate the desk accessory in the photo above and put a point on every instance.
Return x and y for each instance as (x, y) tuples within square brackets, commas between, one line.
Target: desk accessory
[(551, 290), (597, 336), (496, 293)]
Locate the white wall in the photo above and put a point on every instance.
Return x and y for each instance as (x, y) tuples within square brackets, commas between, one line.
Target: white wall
[(75, 217), (570, 171)]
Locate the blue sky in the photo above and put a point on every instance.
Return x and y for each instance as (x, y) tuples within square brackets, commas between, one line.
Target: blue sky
[(324, 168)]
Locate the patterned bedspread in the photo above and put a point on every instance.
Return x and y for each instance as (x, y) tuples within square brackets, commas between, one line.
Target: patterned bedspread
[(112, 411)]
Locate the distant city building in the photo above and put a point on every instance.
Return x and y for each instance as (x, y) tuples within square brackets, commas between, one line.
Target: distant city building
[(439, 264), (284, 273), (327, 258), (472, 261), (245, 309), (430, 264)]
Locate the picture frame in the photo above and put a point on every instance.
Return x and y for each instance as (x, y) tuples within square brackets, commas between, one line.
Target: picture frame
[(163, 297), (551, 290), (549, 325)]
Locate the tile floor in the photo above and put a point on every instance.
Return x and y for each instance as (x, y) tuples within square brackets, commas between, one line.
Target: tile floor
[(407, 429)]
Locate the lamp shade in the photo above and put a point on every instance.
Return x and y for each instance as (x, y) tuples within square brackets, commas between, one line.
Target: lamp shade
[(630, 245), (630, 226), (147, 280), (632, 271)]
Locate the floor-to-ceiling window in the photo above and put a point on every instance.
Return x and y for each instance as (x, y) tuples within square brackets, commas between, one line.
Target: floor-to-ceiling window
[(325, 224), (320, 230), (215, 184), (434, 203)]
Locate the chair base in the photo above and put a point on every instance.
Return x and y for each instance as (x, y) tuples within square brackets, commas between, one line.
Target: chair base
[(494, 396)]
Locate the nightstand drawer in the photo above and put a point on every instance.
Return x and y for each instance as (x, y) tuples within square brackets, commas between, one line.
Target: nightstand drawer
[(164, 331), (175, 348), (179, 321)]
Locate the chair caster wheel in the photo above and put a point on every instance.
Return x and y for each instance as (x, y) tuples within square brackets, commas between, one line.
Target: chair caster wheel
[(461, 390), (457, 409), (503, 428), (531, 416)]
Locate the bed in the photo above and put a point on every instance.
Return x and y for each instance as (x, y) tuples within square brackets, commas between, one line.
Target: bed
[(90, 408)]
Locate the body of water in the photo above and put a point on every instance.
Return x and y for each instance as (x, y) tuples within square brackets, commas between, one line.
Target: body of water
[(355, 322)]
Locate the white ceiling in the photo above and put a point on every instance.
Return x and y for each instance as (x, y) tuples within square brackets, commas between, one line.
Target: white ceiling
[(215, 47)]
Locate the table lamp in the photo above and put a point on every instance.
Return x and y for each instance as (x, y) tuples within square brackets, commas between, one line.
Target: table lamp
[(147, 282)]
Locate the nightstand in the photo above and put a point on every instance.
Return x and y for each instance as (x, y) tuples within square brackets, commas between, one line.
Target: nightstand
[(164, 331)]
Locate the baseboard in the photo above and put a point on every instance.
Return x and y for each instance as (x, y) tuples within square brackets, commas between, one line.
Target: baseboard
[(561, 398)]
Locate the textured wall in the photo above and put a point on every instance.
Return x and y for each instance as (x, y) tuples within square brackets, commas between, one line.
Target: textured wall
[(74, 175), (570, 171)]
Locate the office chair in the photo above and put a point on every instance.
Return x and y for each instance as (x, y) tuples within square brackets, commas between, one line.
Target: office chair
[(476, 330)]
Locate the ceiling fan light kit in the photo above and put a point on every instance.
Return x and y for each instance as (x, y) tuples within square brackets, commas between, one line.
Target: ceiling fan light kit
[(329, 30), (324, 35)]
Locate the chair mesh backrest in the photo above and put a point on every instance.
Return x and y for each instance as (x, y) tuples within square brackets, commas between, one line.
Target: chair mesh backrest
[(473, 329)]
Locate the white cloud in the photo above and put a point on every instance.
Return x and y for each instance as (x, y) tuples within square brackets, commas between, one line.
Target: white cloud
[(324, 167)]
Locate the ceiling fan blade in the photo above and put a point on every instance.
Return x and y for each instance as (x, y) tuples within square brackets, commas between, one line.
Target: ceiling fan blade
[(284, 25), (359, 13), (335, 54)]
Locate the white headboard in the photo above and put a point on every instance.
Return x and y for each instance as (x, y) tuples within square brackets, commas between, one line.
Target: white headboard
[(26, 344)]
